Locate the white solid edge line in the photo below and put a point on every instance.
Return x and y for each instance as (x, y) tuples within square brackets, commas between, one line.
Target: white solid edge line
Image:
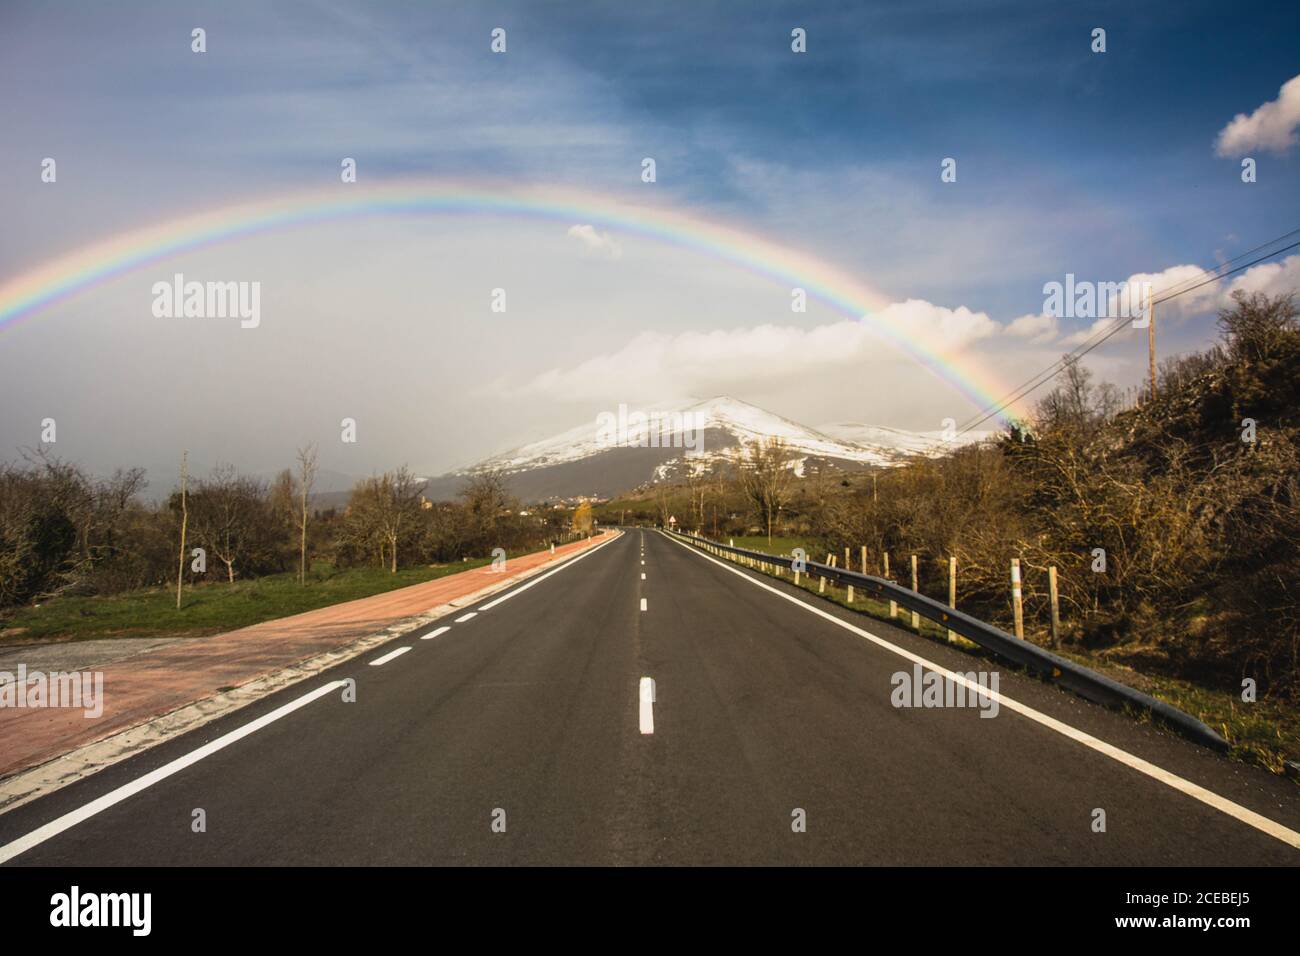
[(389, 656), (432, 634), (646, 696), (72, 818), (1193, 790), (538, 580), (465, 617), (643, 604)]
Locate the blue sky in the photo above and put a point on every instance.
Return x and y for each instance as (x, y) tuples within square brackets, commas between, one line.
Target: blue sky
[(1103, 165)]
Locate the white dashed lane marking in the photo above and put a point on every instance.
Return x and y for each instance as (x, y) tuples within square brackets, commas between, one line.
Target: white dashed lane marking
[(389, 656), (646, 692)]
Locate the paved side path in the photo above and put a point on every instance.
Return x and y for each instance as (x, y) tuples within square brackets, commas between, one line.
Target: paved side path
[(184, 671)]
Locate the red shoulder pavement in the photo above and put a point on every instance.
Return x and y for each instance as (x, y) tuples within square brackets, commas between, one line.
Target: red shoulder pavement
[(182, 672)]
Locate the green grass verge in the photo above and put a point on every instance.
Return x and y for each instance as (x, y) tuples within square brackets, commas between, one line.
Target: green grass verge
[(1266, 733), (209, 608), (815, 549)]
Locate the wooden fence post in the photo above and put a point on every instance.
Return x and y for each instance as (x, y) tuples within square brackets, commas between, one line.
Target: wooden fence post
[(952, 592), (1017, 601), (1056, 607), (916, 618)]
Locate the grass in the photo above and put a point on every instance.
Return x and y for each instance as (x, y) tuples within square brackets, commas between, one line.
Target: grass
[(1266, 733), (814, 548), (208, 608)]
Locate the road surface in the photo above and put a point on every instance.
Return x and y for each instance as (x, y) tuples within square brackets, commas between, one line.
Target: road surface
[(529, 733)]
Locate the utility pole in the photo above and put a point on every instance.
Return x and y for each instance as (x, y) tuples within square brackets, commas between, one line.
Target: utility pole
[(1151, 342), (185, 516)]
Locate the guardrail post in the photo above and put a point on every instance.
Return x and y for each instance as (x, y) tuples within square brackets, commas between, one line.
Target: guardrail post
[(1056, 608), (916, 618), (1017, 601), (893, 605)]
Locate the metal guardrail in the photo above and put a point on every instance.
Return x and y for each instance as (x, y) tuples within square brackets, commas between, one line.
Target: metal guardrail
[(1084, 682)]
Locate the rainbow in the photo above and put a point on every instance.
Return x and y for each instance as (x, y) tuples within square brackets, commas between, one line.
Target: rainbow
[(27, 295)]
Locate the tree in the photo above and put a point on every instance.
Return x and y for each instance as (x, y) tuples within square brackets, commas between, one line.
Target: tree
[(306, 479), (582, 520), (231, 517), (383, 509), (765, 477), (1259, 327), (698, 484)]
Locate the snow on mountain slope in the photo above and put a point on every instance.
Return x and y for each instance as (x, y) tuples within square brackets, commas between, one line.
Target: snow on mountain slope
[(895, 441), (693, 427), (624, 449)]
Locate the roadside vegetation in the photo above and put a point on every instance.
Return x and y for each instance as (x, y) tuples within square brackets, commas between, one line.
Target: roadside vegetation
[(1173, 525), (212, 607), (85, 557)]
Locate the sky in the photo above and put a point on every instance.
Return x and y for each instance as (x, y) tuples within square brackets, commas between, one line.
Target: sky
[(1105, 165)]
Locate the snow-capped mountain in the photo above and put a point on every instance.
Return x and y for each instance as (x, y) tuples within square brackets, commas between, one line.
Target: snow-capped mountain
[(894, 442), (675, 427), (624, 449)]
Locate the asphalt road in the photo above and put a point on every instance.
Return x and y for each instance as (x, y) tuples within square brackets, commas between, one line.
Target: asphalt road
[(761, 709)]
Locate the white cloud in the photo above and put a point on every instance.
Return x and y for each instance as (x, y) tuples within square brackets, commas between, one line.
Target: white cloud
[(596, 243), (1083, 335), (1271, 278), (1271, 127), (1036, 328), (1201, 297), (938, 326), (653, 364)]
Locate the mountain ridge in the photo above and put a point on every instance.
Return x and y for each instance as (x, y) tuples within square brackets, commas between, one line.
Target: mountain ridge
[(633, 448)]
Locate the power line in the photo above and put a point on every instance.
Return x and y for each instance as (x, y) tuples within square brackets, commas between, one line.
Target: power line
[(1223, 275), (1088, 345), (1228, 262)]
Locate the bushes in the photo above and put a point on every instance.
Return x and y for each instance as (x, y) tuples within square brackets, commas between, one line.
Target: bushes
[(1199, 528), (62, 531)]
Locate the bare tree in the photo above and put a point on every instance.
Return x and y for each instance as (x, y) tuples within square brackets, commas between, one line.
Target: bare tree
[(230, 514), (699, 485), (382, 509), (766, 478), (306, 480)]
